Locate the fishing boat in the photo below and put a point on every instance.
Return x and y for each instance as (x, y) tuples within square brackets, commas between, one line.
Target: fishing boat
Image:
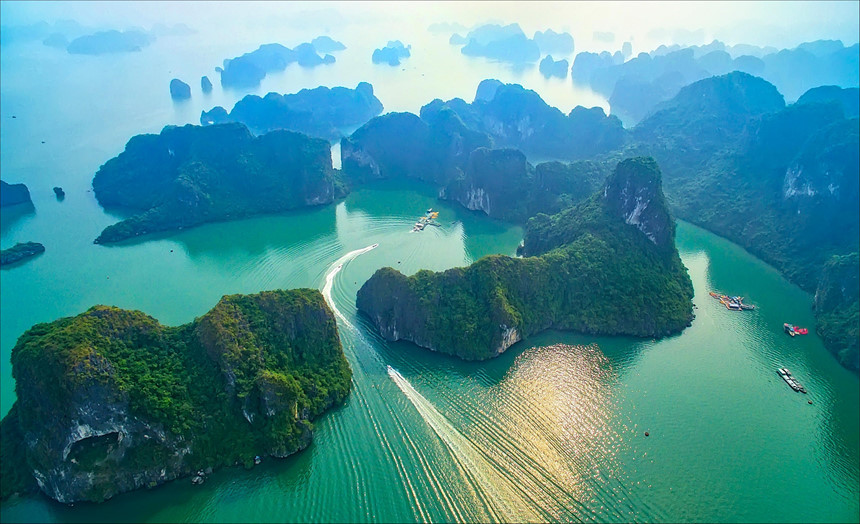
[(790, 380), (794, 330)]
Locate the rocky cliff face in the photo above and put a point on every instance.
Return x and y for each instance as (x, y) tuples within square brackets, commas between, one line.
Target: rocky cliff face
[(85, 456), (487, 89), (179, 90), (378, 297), (402, 309), (634, 193), (821, 181), (494, 182), (111, 401)]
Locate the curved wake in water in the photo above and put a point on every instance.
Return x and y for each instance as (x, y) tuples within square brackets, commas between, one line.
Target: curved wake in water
[(334, 270), (501, 477)]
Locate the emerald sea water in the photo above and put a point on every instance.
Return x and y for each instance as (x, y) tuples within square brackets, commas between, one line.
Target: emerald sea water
[(552, 430)]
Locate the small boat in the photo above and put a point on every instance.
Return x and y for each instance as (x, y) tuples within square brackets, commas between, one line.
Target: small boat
[(374, 246), (794, 330)]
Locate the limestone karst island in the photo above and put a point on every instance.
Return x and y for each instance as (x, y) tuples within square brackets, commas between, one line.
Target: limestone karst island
[(396, 262)]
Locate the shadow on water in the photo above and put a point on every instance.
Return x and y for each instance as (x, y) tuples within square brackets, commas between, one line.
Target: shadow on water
[(184, 110), (622, 352), (249, 236), (21, 262), (10, 216), (393, 197)]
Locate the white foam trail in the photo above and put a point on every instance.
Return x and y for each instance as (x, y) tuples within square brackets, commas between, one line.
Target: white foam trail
[(498, 493), (334, 270)]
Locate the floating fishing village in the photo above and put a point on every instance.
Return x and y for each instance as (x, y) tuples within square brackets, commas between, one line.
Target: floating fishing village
[(735, 303), (427, 220)]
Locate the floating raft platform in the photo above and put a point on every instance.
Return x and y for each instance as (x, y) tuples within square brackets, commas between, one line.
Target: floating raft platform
[(732, 303)]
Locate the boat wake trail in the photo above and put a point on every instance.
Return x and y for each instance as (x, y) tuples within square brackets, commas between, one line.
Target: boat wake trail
[(502, 499), (334, 270)]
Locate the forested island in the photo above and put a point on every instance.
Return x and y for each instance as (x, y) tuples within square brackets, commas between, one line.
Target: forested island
[(735, 159), (634, 87), (779, 180), (494, 41), (549, 67), (104, 42), (110, 400), (179, 90), (249, 69), (20, 251), (316, 112), (391, 54), (14, 194), (607, 265), (190, 175), (551, 42)]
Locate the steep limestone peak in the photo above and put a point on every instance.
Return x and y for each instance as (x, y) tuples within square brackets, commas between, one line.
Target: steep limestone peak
[(634, 192), (487, 89)]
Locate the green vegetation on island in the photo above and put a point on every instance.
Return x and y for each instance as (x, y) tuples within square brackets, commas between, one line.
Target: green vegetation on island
[(519, 118), (503, 185), (837, 307), (440, 148), (318, 112), (20, 251), (780, 181), (191, 175), (606, 266), (251, 68), (110, 400)]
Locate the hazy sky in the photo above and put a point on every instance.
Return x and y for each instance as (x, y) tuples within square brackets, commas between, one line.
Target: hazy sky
[(781, 24)]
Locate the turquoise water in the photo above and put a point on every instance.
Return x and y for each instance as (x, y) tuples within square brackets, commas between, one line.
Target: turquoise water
[(543, 432)]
